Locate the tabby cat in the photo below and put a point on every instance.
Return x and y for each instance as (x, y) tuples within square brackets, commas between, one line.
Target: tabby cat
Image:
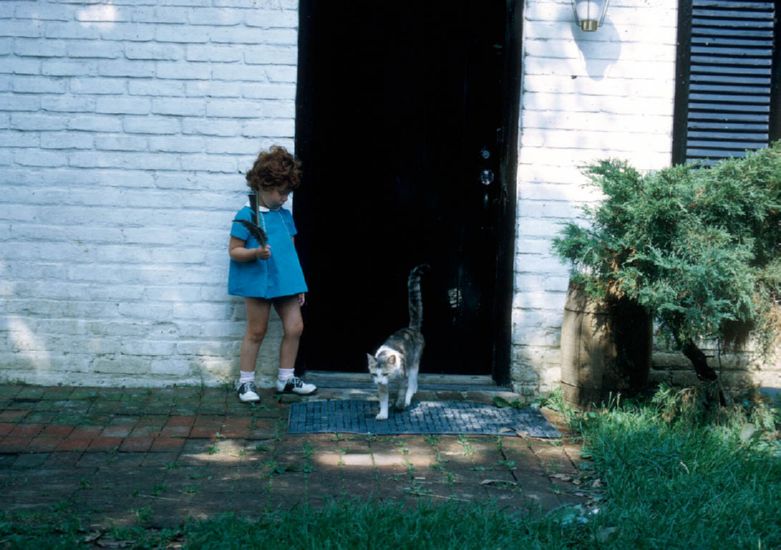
[(399, 356)]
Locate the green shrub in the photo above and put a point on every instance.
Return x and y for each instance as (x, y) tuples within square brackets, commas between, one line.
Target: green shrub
[(698, 247)]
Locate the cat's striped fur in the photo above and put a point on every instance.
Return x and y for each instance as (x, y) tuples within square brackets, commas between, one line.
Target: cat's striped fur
[(399, 356)]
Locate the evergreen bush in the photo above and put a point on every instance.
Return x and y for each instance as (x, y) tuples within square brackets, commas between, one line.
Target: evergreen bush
[(698, 247)]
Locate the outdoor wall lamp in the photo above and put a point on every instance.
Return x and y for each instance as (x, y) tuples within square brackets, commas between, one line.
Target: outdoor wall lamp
[(589, 13)]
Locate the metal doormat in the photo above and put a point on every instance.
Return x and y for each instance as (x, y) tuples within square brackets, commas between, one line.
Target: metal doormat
[(426, 417)]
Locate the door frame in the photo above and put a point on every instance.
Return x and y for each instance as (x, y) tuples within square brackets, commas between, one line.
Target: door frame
[(501, 309)]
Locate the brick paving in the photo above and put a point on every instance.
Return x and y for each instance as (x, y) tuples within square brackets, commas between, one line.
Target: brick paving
[(121, 456)]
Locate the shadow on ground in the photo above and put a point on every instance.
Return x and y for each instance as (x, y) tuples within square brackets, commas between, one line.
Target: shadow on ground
[(156, 457)]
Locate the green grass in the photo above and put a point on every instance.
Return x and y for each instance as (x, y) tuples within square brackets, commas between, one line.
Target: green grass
[(349, 524), (339, 524), (675, 474), (680, 475)]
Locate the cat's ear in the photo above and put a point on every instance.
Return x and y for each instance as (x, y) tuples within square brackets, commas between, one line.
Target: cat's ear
[(392, 360), (372, 361)]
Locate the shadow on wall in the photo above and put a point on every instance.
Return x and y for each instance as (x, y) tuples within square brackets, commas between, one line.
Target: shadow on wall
[(598, 53), (27, 350)]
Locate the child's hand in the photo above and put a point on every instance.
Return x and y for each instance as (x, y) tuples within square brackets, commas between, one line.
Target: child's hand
[(263, 252)]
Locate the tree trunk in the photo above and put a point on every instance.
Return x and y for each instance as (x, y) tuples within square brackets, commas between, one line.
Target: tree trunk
[(699, 361), (701, 367)]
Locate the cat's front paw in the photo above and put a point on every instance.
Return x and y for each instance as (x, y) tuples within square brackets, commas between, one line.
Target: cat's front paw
[(382, 416)]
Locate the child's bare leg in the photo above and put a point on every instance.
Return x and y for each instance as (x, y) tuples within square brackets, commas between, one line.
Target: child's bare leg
[(289, 312), (257, 324)]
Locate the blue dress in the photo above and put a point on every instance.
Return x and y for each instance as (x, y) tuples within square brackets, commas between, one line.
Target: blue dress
[(281, 274)]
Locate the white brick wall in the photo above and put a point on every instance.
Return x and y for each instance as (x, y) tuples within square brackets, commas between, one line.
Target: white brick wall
[(585, 96), (124, 129)]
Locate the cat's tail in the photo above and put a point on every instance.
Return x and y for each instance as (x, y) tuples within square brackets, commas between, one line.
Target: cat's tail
[(416, 297)]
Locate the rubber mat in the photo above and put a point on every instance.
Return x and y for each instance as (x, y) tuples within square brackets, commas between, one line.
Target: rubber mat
[(426, 417)]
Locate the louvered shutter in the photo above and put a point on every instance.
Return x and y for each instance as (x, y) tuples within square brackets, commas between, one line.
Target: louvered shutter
[(725, 88)]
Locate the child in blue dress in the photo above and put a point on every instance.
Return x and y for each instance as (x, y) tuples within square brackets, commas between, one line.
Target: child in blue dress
[(269, 275)]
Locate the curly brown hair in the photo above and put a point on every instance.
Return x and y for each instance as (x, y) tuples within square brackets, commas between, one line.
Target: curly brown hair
[(275, 168)]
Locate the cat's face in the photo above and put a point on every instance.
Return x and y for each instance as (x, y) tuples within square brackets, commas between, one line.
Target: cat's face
[(383, 368)]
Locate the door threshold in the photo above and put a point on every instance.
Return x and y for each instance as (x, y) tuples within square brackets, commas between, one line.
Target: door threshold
[(426, 382)]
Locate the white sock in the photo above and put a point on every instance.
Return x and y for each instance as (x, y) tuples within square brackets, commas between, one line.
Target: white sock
[(285, 374), (246, 376)]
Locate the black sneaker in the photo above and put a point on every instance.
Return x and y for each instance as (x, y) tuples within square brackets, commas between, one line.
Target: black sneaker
[(295, 385), (248, 393)]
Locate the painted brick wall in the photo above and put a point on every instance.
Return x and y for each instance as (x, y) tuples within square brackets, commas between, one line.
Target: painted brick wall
[(585, 96), (125, 127)]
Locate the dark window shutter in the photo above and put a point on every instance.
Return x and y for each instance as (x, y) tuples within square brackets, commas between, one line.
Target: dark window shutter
[(726, 79)]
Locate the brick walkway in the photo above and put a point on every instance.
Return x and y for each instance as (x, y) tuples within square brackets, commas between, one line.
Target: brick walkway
[(162, 455)]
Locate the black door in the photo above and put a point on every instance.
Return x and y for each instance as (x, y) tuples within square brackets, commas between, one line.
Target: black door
[(400, 131)]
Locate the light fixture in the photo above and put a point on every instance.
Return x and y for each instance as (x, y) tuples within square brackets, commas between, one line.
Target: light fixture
[(589, 13)]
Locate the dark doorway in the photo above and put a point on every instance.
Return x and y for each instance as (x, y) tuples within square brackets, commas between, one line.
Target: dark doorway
[(402, 126)]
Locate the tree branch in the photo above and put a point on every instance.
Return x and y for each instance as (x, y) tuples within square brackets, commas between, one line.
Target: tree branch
[(699, 361), (700, 364)]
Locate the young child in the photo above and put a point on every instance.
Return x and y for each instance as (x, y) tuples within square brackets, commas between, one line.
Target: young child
[(269, 275)]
